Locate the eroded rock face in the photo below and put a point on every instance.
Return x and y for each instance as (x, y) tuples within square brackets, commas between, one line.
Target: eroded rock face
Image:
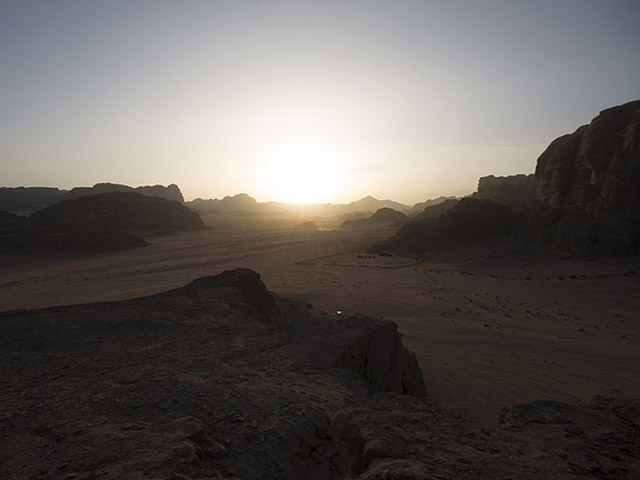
[(515, 191), (192, 383), (217, 378), (589, 186), (376, 353)]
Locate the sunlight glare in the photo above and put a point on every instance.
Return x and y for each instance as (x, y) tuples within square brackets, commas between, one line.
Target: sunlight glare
[(303, 173)]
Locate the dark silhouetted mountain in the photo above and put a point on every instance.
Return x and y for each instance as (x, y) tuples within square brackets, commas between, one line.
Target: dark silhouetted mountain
[(468, 222), (28, 199), (371, 204), (383, 217), (515, 191), (237, 203), (419, 207), (21, 235), (244, 203), (171, 192), (118, 211), (435, 210), (589, 186)]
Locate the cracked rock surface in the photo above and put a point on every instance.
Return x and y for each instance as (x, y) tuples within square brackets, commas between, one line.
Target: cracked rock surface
[(222, 379)]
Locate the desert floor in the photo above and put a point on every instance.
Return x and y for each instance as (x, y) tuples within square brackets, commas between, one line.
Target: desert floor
[(490, 326)]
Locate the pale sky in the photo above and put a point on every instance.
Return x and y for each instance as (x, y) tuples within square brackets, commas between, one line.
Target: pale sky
[(300, 100)]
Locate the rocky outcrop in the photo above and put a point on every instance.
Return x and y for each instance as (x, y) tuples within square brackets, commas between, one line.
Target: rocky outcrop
[(419, 207), (218, 378), (467, 222), (376, 353), (25, 200), (195, 383), (118, 211), (170, 192), (515, 191), (433, 211), (236, 203), (382, 217), (372, 204), (589, 186)]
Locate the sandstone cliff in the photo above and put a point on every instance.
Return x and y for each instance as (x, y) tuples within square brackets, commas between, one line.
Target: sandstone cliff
[(589, 186), (515, 191)]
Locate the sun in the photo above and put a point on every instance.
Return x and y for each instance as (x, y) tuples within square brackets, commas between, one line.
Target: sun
[(303, 173)]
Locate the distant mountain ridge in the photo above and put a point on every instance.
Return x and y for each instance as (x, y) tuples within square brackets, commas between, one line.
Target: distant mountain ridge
[(105, 221), (372, 204), (239, 202), (170, 192), (24, 200)]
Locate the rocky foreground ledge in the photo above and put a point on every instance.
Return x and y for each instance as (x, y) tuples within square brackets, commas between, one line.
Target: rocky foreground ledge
[(222, 379)]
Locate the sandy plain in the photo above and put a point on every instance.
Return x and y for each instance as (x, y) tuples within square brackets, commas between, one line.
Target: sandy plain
[(491, 326)]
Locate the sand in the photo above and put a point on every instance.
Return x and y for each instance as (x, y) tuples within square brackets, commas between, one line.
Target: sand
[(490, 326)]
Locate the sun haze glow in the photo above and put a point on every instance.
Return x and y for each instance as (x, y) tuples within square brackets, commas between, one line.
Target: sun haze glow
[(302, 101), (302, 172)]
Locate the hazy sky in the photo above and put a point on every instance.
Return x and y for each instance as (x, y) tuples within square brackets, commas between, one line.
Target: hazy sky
[(300, 100)]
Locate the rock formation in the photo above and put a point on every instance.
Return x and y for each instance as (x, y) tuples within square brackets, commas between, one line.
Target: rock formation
[(419, 207), (435, 210), (170, 192), (218, 376), (237, 203), (20, 235), (118, 211), (589, 186), (372, 204), (223, 379), (467, 222), (515, 191), (25, 200), (382, 217)]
